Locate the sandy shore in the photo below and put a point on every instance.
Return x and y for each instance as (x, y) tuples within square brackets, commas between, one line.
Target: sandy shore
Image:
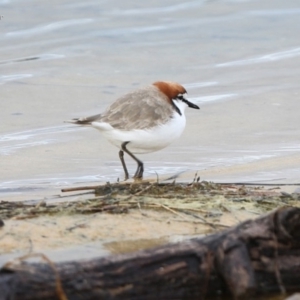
[(129, 217)]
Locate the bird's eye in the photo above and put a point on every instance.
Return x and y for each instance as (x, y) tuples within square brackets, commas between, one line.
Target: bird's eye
[(180, 97)]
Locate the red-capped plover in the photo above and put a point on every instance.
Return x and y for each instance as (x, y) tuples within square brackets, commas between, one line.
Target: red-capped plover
[(142, 121)]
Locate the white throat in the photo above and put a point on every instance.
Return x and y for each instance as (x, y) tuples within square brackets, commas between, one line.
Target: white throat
[(181, 105)]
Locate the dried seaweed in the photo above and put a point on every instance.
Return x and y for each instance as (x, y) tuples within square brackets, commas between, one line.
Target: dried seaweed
[(203, 200)]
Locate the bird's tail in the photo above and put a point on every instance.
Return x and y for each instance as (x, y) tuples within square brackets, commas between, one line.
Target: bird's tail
[(84, 120)]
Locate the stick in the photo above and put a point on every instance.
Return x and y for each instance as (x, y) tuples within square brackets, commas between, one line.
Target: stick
[(80, 188)]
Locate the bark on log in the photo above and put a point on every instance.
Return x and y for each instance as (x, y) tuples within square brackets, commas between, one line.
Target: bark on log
[(257, 257)]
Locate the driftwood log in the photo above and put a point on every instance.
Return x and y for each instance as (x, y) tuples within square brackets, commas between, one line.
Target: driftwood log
[(257, 257)]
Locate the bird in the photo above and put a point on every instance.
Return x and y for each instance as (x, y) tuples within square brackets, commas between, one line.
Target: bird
[(145, 120)]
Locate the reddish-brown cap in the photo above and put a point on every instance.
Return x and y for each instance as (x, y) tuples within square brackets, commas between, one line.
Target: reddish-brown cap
[(170, 89)]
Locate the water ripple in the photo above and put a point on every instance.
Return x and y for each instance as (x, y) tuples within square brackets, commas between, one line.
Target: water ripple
[(49, 27), (211, 98), (165, 9), (262, 59), (31, 137), (5, 78)]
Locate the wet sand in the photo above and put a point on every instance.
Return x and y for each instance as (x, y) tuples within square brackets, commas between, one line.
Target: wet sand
[(239, 61)]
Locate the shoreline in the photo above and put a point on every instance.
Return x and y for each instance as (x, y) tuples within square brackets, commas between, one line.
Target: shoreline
[(131, 216)]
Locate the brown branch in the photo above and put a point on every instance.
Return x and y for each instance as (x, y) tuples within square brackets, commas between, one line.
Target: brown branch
[(80, 188)]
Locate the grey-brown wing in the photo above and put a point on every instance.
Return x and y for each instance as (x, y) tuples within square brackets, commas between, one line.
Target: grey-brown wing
[(144, 108)]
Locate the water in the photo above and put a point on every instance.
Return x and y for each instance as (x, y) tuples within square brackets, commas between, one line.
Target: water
[(239, 60)]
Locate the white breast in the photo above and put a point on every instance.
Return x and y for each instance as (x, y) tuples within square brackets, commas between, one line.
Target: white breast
[(146, 140)]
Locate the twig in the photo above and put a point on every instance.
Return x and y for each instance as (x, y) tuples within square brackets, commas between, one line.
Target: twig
[(157, 177), (140, 192), (59, 289), (140, 209), (204, 222), (80, 188), (200, 218), (173, 211)]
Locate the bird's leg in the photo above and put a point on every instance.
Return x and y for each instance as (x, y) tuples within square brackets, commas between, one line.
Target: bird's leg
[(121, 155), (140, 169)]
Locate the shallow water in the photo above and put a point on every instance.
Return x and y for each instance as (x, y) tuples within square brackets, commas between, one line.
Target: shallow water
[(239, 60)]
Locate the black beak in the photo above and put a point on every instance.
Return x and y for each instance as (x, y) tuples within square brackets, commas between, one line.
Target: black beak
[(190, 104)]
